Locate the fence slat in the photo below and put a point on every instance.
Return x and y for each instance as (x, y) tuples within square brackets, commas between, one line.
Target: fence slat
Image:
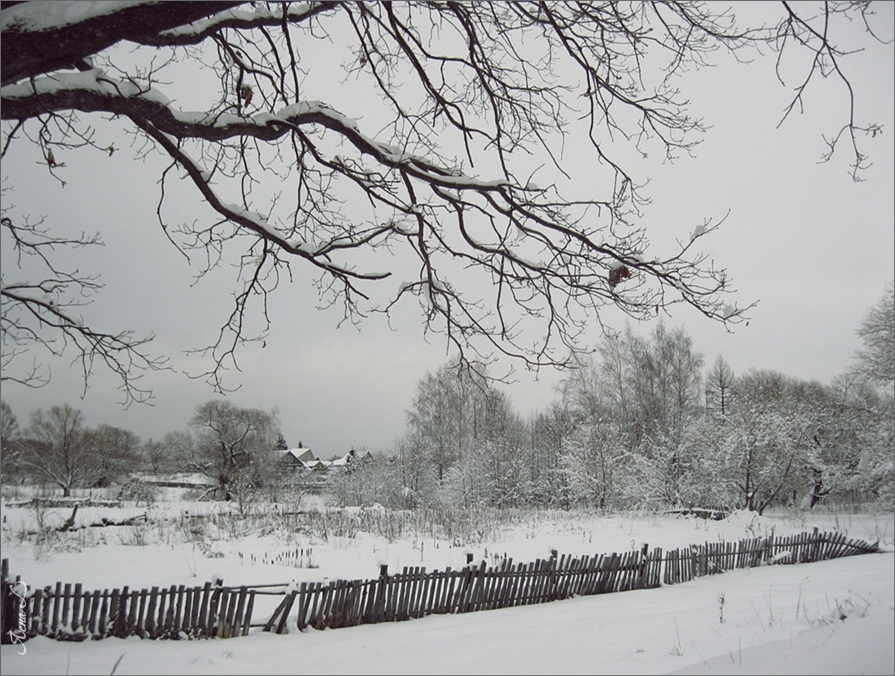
[(288, 601), (247, 621), (213, 610)]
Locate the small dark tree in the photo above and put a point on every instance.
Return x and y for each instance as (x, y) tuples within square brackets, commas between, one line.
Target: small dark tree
[(10, 450), (55, 448), (116, 451), (719, 388), (158, 457), (234, 447)]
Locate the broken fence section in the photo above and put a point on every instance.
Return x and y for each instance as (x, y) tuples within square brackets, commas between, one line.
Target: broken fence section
[(67, 612)]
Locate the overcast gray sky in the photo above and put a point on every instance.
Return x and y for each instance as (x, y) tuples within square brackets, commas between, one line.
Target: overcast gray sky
[(814, 248)]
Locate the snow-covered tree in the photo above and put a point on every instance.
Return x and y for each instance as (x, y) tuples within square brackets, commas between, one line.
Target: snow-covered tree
[(595, 461), (547, 430), (417, 474), (454, 409), (875, 476), (468, 481), (651, 385), (876, 360), (665, 381), (767, 441), (446, 141)]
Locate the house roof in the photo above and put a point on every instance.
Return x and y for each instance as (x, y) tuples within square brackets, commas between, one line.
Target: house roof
[(306, 457), (303, 455)]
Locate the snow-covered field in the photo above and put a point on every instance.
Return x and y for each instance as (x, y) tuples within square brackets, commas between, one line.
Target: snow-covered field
[(833, 617)]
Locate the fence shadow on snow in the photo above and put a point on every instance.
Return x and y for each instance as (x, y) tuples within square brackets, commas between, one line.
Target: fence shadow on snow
[(67, 612)]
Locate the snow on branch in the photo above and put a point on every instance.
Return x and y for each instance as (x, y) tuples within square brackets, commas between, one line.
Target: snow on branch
[(496, 258)]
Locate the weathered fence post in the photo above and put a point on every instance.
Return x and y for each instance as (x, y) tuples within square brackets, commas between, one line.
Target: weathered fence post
[(214, 610), (5, 602)]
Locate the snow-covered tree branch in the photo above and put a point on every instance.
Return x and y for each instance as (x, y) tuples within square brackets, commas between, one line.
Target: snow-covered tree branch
[(431, 177)]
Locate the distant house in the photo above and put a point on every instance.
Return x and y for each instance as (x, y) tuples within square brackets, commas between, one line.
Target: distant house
[(303, 459), (350, 458), (344, 461), (299, 458), (317, 465)]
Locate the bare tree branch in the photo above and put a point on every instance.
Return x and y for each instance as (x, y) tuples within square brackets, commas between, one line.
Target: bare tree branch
[(500, 265)]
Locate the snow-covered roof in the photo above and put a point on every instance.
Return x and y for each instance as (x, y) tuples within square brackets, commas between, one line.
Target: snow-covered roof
[(304, 455)]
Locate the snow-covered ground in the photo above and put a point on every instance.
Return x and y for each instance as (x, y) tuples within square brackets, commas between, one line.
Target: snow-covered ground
[(833, 617)]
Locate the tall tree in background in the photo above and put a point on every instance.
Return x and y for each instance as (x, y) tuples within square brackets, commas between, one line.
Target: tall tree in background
[(454, 408), (456, 176), (767, 440), (665, 380), (492, 468), (547, 430), (720, 383), (874, 365), (644, 391), (158, 457), (876, 360), (10, 451), (55, 448), (117, 451), (235, 447), (416, 473)]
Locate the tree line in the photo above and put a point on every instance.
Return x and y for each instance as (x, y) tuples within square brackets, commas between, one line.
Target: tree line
[(641, 423), (232, 448)]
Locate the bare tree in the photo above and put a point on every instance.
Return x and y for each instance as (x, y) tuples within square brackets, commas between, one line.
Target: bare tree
[(720, 382), (55, 448), (477, 100), (9, 425), (10, 450), (666, 379), (454, 408), (116, 451), (235, 447)]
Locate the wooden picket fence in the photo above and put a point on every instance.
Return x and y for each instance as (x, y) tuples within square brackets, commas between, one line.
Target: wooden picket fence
[(70, 613), (416, 593), (682, 565)]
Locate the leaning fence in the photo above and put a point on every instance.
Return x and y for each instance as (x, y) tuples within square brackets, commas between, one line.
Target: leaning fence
[(68, 612)]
